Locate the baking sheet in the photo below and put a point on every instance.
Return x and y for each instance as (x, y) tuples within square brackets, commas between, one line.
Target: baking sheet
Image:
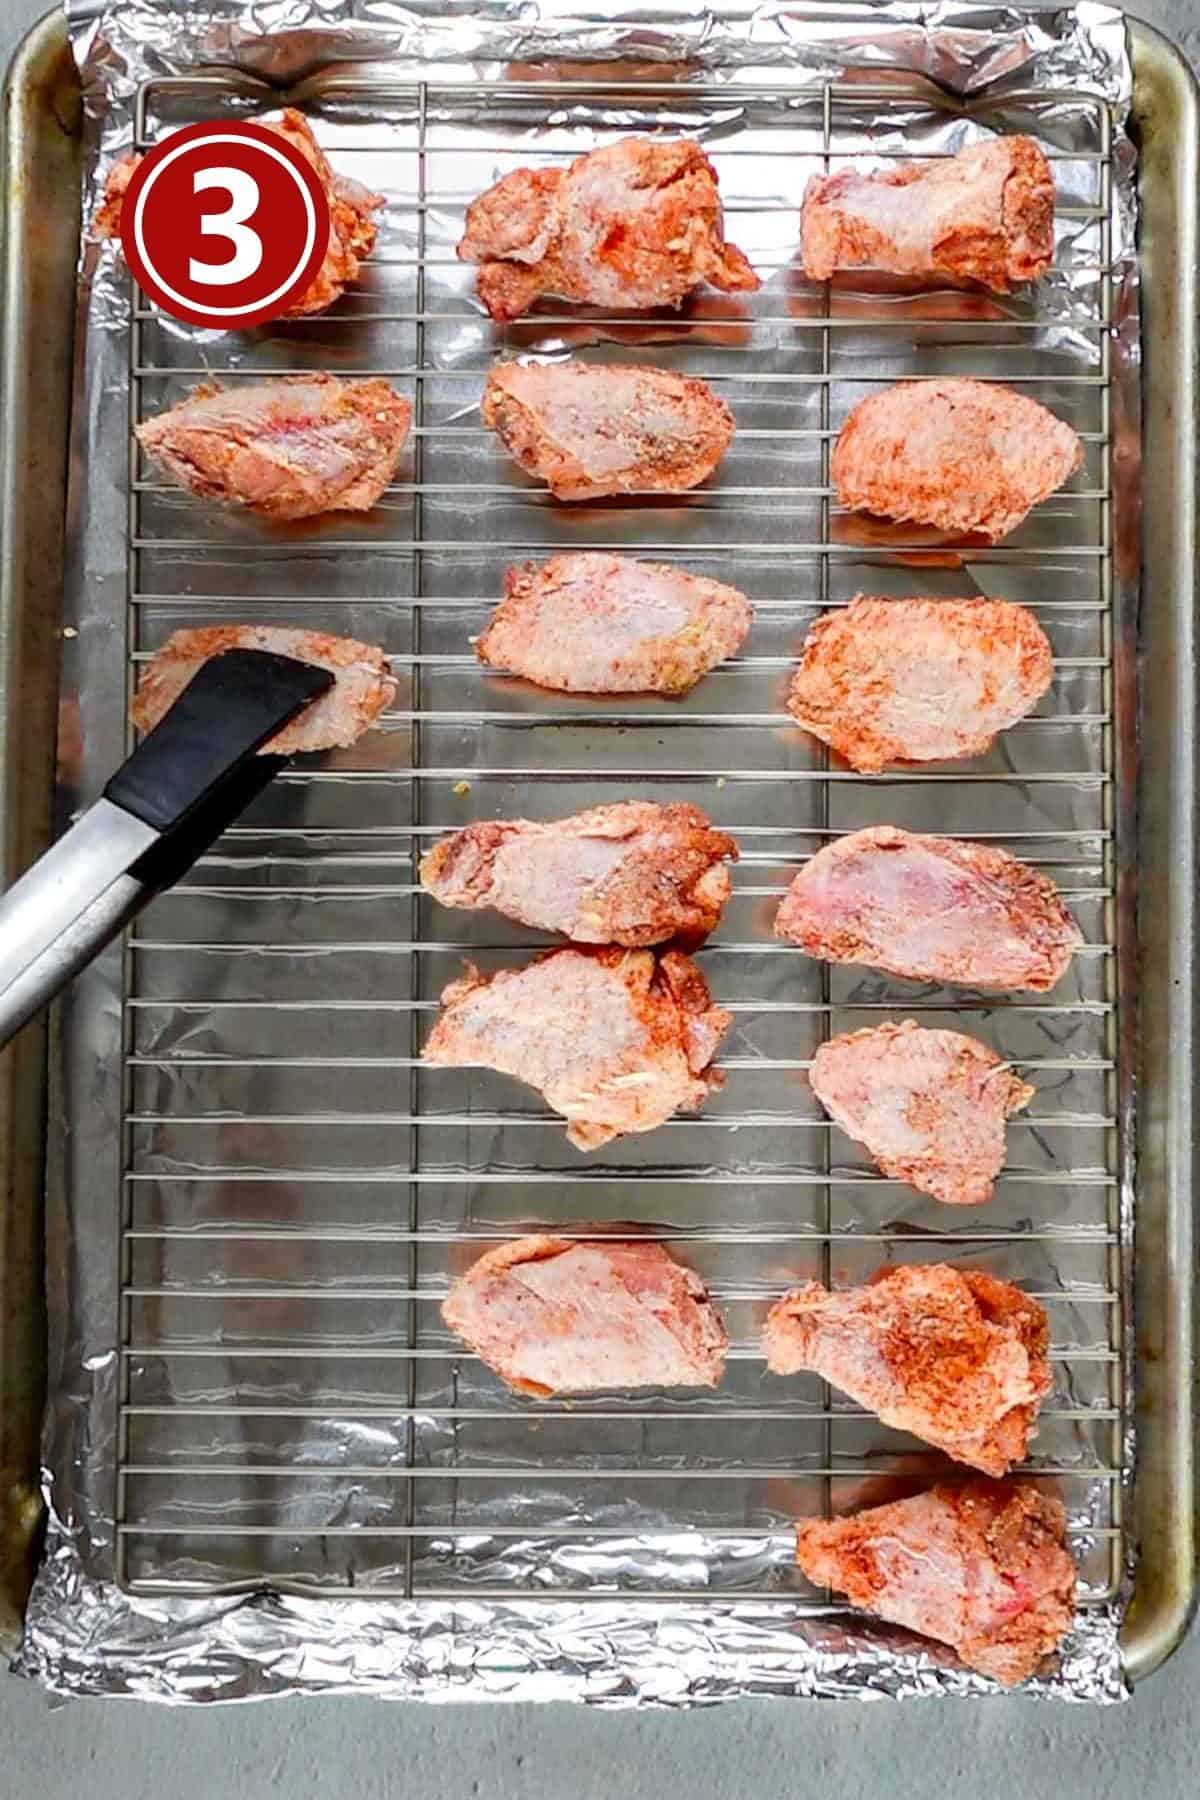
[(160, 1350)]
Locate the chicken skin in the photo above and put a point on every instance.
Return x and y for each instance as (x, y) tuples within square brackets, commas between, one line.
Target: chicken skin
[(885, 681), (592, 623), (634, 225), (955, 1357), (352, 210), (362, 690), (985, 215), (287, 449), (591, 429), (930, 909), (982, 1567), (633, 873), (930, 1106), (963, 455), (616, 1040), (555, 1316)]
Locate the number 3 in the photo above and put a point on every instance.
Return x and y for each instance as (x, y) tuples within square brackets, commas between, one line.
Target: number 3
[(247, 245)]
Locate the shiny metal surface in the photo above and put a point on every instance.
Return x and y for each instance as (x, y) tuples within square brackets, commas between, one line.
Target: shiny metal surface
[(40, 228), (298, 1191), (1167, 107), (73, 901)]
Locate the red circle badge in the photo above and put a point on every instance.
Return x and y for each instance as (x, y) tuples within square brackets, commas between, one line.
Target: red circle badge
[(224, 225)]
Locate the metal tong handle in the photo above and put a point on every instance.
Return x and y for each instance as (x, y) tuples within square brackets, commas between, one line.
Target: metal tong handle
[(198, 769)]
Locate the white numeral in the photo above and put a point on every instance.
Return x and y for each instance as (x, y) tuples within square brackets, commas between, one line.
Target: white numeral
[(247, 245)]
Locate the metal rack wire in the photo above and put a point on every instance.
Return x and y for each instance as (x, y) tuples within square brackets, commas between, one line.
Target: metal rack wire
[(298, 1191)]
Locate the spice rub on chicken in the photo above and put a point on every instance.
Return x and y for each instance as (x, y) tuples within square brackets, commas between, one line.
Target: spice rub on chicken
[(594, 429), (593, 623), (288, 449), (885, 681), (352, 210), (956, 1357), (930, 1106), (959, 454), (985, 215), (558, 1316), (930, 909), (616, 1040), (362, 689), (632, 873), (634, 225), (982, 1567)]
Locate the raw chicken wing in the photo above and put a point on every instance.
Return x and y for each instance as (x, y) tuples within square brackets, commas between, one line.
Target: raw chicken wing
[(930, 909), (982, 1567), (634, 873), (955, 1357), (919, 680), (616, 1040), (351, 214), (959, 454), (590, 429), (287, 449), (552, 1316), (930, 1106), (592, 623), (363, 688), (637, 224), (985, 215)]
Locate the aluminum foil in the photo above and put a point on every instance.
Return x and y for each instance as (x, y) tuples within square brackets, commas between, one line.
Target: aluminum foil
[(94, 1623)]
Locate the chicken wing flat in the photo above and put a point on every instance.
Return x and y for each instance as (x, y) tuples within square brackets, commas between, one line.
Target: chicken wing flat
[(362, 690), (885, 681), (352, 210), (955, 1357), (930, 1106), (591, 623), (590, 429), (634, 225), (930, 909), (556, 1316), (959, 454), (616, 1040), (982, 1567), (984, 215), (287, 449), (633, 873)]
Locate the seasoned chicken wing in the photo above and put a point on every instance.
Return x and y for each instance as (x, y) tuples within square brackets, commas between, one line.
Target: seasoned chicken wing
[(636, 224), (930, 1106), (956, 1357), (590, 429), (352, 210), (634, 873), (930, 909), (616, 1040), (919, 680), (553, 1316), (959, 454), (592, 623), (287, 449), (981, 1567), (985, 215), (363, 688)]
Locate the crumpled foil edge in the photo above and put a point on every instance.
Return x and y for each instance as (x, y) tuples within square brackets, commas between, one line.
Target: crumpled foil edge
[(255, 1646), (84, 1634)]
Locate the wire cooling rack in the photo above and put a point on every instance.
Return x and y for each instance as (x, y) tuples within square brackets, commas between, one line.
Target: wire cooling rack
[(298, 1192)]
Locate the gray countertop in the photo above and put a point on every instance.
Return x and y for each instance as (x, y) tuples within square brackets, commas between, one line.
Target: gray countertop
[(357, 1750)]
